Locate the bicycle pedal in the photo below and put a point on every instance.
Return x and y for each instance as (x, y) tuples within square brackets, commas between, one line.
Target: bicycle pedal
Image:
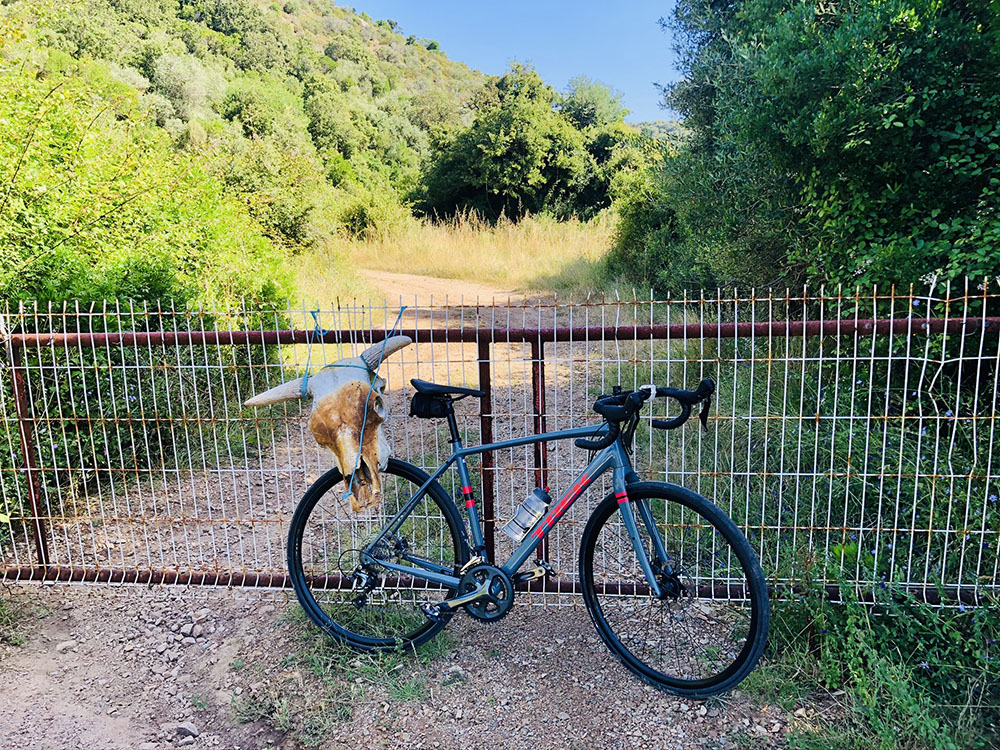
[(432, 612), (541, 570)]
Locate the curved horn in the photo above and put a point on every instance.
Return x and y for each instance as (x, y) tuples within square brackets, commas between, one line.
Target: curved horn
[(287, 391), (373, 354)]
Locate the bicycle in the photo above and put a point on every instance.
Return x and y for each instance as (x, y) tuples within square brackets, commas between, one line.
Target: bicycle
[(659, 564)]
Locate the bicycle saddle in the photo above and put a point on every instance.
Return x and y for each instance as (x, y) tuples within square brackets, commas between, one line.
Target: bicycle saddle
[(433, 389)]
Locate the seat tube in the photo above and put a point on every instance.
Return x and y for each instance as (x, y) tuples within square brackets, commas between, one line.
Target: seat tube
[(475, 527)]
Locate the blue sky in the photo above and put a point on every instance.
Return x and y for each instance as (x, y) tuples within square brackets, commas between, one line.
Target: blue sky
[(620, 45)]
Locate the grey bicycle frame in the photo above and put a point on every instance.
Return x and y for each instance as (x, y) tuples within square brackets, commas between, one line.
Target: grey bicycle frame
[(613, 458)]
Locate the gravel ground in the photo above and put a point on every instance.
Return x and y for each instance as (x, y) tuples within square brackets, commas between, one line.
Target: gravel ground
[(104, 670)]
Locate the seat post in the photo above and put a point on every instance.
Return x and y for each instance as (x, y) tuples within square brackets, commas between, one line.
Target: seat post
[(453, 424)]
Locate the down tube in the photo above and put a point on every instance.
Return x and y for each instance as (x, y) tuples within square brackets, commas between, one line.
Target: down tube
[(606, 459)]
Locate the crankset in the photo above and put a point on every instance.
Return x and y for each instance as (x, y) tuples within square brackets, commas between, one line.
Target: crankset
[(486, 592)]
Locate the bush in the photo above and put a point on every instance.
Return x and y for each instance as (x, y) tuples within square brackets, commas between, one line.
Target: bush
[(199, 61), (83, 219), (852, 143), (914, 675), (185, 81)]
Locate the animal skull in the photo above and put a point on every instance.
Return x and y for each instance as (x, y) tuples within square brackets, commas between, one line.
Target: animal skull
[(339, 393)]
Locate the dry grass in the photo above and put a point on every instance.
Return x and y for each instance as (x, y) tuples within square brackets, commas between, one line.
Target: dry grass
[(535, 254), (327, 274)]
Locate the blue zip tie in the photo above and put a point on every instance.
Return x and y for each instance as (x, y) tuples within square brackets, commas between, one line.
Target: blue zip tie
[(318, 331)]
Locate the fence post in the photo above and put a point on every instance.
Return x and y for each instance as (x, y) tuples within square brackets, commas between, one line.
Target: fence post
[(486, 436), (538, 400), (28, 450)]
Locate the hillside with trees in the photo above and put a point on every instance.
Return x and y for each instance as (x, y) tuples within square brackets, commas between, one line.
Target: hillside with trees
[(188, 149), (192, 149)]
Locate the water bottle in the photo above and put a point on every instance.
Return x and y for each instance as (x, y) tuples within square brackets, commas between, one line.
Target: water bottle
[(527, 515)]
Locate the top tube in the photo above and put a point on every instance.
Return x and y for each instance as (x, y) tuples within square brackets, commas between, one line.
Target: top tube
[(545, 437)]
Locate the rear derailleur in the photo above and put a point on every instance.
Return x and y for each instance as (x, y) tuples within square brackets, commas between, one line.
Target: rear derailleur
[(364, 580)]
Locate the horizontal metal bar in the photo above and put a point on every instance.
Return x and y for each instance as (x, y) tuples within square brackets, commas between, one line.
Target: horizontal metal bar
[(248, 579), (587, 431), (777, 329)]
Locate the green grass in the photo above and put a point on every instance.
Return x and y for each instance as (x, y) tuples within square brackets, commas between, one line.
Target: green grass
[(330, 679), (199, 703), (409, 691), (912, 676), (777, 684), (250, 707), (10, 616)]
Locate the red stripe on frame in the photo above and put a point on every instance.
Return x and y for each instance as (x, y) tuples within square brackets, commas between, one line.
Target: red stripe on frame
[(622, 497), (470, 502), (467, 489), (567, 501)]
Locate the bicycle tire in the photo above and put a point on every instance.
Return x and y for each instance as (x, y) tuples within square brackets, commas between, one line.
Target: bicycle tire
[(329, 604), (689, 545)]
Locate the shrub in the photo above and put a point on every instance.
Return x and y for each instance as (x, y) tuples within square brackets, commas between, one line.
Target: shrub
[(185, 81), (83, 219), (849, 143), (914, 675)]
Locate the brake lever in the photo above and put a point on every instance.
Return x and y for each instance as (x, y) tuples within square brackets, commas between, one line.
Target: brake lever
[(703, 415)]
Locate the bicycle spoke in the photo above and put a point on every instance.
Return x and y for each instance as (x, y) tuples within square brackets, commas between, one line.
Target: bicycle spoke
[(377, 606), (683, 636)]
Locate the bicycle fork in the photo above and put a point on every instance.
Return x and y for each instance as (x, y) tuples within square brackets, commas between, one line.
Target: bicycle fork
[(627, 508)]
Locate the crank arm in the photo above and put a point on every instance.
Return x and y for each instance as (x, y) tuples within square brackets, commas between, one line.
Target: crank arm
[(437, 612), (481, 592)]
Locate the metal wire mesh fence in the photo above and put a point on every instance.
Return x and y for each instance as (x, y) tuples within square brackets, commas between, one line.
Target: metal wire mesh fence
[(852, 435)]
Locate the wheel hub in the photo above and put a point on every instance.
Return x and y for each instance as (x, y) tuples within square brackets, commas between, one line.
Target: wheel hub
[(498, 597), (670, 584)]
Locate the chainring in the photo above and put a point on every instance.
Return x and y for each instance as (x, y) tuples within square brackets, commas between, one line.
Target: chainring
[(500, 597)]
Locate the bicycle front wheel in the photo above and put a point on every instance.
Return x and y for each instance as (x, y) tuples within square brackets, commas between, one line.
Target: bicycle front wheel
[(358, 601), (705, 634)]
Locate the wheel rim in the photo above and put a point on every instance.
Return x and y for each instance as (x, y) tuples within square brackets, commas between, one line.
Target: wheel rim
[(326, 560), (694, 641)]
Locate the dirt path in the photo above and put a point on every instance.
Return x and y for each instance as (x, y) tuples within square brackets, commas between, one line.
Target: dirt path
[(426, 289), (106, 671)]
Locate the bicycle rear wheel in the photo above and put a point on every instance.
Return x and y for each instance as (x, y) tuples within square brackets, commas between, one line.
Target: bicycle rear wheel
[(370, 607), (706, 634)]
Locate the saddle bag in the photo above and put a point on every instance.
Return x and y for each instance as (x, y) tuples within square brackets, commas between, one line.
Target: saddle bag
[(424, 406)]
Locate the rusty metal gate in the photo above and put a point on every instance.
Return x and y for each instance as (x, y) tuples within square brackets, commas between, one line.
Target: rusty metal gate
[(852, 434)]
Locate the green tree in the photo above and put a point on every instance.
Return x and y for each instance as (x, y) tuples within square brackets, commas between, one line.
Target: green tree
[(82, 218), (518, 156), (588, 104), (853, 142)]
